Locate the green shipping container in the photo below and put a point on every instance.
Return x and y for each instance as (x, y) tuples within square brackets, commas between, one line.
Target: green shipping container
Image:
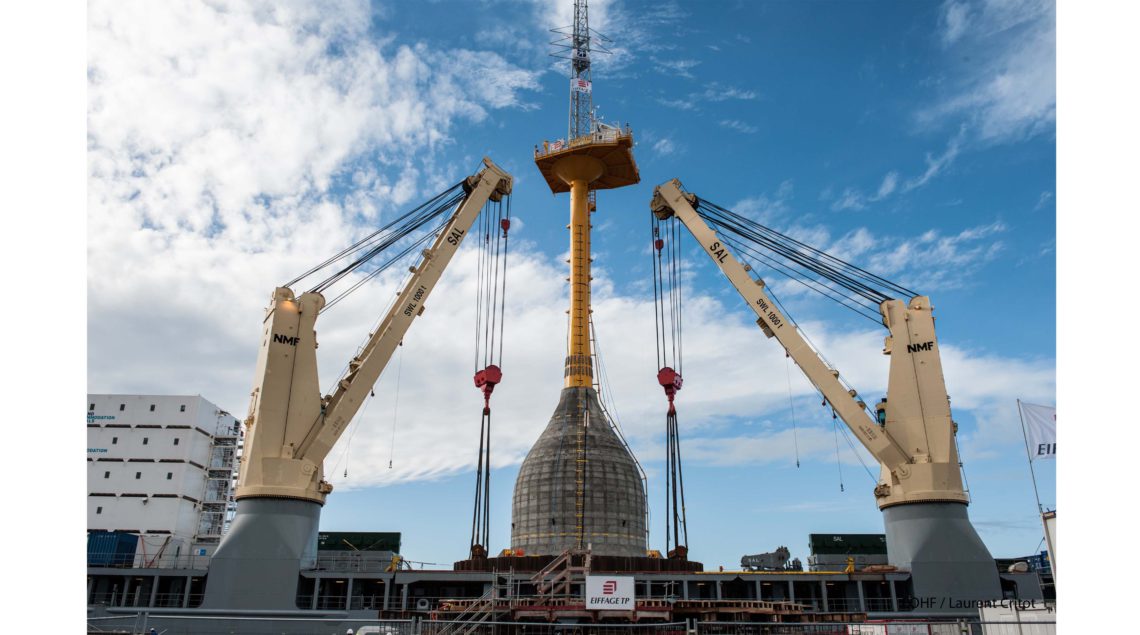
[(358, 541), (848, 544)]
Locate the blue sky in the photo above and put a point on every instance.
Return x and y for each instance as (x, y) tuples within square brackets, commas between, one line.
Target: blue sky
[(230, 149)]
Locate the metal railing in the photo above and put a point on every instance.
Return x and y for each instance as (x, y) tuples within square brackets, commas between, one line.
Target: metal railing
[(602, 135), (141, 623), (140, 561)]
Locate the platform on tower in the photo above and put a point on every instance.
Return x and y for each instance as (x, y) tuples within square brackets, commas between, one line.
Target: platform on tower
[(611, 145)]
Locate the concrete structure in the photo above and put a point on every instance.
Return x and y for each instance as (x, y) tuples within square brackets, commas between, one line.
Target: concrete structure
[(162, 467), (579, 486)]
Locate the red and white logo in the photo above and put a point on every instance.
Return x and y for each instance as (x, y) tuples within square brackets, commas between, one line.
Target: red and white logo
[(609, 587)]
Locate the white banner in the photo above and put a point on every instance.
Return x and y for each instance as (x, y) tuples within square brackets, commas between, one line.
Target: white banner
[(609, 593), (1041, 430), (579, 85)]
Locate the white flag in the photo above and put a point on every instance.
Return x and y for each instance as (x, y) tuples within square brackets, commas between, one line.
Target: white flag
[(1041, 426)]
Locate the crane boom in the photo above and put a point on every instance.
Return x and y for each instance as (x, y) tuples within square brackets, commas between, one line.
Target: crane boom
[(291, 428), (914, 444)]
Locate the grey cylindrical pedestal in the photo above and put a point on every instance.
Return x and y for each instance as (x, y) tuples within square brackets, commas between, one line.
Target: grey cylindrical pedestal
[(947, 560), (259, 560)]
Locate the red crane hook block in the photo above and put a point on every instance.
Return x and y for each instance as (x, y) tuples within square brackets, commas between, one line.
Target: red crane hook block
[(487, 379), (671, 381)]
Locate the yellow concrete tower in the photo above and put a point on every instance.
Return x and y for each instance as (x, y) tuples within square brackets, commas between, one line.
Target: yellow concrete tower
[(579, 486), (594, 156)]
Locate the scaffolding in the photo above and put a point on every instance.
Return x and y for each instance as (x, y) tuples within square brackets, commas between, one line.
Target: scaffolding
[(218, 506)]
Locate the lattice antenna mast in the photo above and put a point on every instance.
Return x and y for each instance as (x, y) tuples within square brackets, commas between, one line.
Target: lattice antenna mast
[(577, 44)]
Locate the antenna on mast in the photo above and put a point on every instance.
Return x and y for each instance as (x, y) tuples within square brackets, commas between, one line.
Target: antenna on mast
[(577, 43)]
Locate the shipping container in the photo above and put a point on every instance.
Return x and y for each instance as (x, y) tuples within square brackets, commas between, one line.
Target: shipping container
[(833, 544), (358, 541), (111, 548)]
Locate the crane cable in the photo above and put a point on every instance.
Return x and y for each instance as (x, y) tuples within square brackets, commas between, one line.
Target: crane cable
[(838, 463), (396, 405), (490, 309), (818, 270), (667, 272), (792, 405)]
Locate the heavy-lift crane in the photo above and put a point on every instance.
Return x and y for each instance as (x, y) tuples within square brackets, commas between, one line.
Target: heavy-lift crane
[(911, 435), (291, 427)]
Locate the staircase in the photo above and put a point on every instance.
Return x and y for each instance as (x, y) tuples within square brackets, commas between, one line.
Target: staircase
[(555, 578)]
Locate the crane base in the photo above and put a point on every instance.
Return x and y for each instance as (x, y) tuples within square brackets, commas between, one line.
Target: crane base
[(259, 560), (948, 562)]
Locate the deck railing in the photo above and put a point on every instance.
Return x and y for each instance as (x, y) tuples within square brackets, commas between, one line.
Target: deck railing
[(602, 135)]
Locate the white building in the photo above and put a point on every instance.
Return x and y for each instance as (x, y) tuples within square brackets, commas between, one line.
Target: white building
[(162, 467)]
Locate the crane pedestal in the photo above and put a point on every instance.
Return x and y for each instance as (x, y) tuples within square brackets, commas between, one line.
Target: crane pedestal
[(258, 562), (947, 559)]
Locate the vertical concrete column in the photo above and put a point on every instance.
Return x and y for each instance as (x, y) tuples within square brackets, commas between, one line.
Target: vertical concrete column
[(862, 601), (388, 590), (348, 594), (186, 592), (759, 590), (718, 585), (404, 598), (90, 583), (823, 586), (579, 370), (791, 591), (153, 591), (894, 598), (316, 593)]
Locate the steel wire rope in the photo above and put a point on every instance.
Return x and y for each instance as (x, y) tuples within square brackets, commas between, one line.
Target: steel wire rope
[(813, 265), (804, 260), (396, 405), (815, 349), (838, 463), (603, 381), (373, 236), (385, 266), (390, 240), (847, 437), (480, 277), (792, 405), (743, 250), (503, 306), (858, 271)]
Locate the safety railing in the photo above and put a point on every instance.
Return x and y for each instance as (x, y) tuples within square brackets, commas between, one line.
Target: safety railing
[(148, 561), (602, 135), (141, 623)]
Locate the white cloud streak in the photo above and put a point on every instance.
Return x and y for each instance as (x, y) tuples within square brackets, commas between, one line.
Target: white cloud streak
[(1010, 91)]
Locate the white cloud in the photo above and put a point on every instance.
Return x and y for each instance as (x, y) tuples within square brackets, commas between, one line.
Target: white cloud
[(1008, 90), (936, 261), (851, 198), (766, 209), (739, 126), (955, 20), (854, 199), (936, 164), (664, 147), (678, 68), (715, 93), (890, 182)]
